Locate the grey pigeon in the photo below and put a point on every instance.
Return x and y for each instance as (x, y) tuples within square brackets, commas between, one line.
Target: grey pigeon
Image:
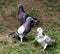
[(25, 28), (43, 39), (22, 15)]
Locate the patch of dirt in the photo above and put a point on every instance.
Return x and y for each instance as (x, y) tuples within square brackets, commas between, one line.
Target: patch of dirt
[(12, 23)]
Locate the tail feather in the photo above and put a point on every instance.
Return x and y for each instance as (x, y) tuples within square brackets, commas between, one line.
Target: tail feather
[(12, 33), (53, 40)]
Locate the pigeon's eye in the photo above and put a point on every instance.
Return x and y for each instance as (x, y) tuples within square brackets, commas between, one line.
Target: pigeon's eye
[(39, 29)]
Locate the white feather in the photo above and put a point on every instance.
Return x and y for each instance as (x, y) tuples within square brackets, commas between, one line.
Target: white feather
[(21, 29), (43, 39)]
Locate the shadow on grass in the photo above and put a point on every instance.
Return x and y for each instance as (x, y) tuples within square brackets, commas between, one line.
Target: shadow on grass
[(51, 47), (27, 38)]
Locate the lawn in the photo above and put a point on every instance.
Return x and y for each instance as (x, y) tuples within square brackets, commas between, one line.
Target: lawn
[(47, 11)]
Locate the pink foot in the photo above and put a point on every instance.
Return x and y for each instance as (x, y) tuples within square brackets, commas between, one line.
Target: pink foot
[(43, 50)]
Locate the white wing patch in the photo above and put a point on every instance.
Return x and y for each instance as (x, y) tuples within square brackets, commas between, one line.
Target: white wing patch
[(21, 29)]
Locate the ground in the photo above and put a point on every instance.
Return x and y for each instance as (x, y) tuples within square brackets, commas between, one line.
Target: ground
[(47, 11)]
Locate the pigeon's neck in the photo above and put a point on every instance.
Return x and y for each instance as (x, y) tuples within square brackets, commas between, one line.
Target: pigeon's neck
[(27, 24), (21, 9)]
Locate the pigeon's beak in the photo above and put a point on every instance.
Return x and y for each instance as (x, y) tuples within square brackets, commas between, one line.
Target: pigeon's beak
[(37, 22)]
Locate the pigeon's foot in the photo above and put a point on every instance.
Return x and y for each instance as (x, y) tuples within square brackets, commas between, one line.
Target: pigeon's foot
[(43, 50)]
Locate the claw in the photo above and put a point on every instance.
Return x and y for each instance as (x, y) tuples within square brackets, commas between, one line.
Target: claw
[(43, 50)]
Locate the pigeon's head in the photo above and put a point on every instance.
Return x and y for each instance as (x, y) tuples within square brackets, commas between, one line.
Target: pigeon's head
[(20, 7), (30, 19), (39, 30)]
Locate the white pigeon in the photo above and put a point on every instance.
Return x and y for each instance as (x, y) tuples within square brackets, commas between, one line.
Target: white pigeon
[(43, 39)]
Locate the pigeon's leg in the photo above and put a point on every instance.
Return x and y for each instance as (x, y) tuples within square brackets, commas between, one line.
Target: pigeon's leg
[(21, 38), (45, 45)]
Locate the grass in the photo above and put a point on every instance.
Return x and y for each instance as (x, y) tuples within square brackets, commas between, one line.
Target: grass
[(51, 0), (2, 11), (2, 28), (28, 47), (51, 27), (3, 41), (34, 12), (13, 14), (58, 9), (15, 40), (8, 3), (51, 8), (31, 46)]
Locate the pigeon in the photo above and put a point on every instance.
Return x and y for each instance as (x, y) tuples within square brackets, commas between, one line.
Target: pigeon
[(25, 28), (22, 15), (43, 39)]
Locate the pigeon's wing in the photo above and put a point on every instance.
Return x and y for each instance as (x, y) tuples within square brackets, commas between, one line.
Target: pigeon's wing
[(47, 39), (21, 30)]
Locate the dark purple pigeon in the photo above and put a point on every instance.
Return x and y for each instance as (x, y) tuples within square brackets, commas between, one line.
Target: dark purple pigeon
[(25, 28), (22, 15)]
